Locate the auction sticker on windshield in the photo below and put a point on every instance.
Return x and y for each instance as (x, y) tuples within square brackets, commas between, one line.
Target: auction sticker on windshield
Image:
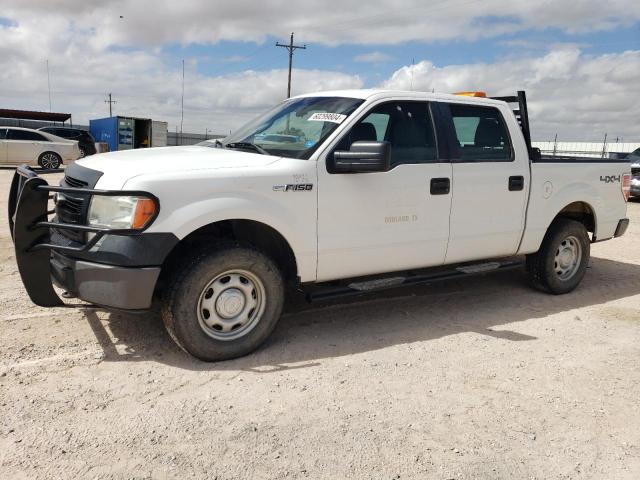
[(327, 117)]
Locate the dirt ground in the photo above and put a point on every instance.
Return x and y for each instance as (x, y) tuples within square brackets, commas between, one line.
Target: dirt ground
[(481, 378)]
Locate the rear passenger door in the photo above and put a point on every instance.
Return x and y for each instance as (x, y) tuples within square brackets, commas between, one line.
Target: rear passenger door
[(24, 146), (489, 187), (385, 221)]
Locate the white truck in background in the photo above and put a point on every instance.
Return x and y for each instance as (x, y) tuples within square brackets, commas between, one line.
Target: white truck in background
[(335, 193)]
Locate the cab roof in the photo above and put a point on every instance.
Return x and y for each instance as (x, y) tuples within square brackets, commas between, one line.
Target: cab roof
[(366, 94)]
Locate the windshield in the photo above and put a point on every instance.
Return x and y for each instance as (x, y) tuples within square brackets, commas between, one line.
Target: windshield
[(295, 128)]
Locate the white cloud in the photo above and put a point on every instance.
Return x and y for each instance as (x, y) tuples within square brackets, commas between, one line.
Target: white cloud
[(155, 22), (373, 57), (580, 97)]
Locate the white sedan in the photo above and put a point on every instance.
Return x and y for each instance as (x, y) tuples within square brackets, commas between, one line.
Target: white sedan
[(24, 145)]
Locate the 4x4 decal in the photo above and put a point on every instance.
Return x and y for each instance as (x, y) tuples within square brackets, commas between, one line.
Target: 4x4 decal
[(610, 178)]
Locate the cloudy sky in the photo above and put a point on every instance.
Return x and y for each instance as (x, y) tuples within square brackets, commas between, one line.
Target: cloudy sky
[(578, 60)]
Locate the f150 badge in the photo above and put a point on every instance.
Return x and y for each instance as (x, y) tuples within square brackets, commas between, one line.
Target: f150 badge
[(610, 178), (293, 187)]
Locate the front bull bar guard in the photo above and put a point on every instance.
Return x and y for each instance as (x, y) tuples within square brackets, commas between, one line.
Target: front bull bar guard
[(31, 230)]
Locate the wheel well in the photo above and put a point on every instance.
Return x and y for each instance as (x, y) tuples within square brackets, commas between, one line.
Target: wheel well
[(580, 212), (259, 235), (50, 151)]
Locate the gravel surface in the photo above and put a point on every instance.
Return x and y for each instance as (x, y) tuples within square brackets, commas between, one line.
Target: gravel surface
[(481, 378)]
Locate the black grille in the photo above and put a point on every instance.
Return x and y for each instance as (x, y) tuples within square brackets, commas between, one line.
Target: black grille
[(72, 208), (75, 183), (635, 171)]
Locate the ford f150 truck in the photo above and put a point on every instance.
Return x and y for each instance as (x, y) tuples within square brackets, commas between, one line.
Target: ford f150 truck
[(336, 193)]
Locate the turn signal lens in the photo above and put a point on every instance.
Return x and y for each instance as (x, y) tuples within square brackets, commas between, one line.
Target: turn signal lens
[(626, 186), (145, 211), (471, 94)]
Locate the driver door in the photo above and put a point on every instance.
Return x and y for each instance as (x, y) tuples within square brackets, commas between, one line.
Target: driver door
[(385, 221)]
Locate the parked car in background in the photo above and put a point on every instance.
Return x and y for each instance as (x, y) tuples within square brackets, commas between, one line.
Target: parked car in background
[(634, 158), (85, 140), (32, 147)]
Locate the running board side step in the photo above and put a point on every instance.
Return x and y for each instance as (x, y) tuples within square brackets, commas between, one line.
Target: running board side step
[(386, 283)]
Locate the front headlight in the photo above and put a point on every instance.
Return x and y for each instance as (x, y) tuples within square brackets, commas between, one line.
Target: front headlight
[(121, 212)]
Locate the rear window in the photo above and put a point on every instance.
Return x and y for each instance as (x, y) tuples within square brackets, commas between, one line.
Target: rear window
[(481, 133)]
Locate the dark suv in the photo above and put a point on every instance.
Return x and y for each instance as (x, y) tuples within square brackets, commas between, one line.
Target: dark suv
[(86, 142)]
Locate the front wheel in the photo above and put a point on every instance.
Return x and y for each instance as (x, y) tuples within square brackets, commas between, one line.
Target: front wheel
[(49, 160), (223, 304), (562, 261)]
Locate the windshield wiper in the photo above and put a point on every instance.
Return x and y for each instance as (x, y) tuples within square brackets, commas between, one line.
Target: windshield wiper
[(247, 146)]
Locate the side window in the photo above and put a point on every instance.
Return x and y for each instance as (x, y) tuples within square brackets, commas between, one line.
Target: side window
[(481, 133), (26, 135), (406, 125), (3, 133)]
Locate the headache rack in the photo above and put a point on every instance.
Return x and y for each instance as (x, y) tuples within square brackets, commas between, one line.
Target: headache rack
[(522, 115), (31, 229)]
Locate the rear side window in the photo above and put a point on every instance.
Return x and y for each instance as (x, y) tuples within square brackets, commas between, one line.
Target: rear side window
[(3, 134), (481, 133), (406, 125), (26, 135)]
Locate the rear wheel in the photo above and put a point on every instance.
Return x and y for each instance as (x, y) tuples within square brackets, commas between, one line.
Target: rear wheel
[(49, 160), (562, 261), (223, 304)]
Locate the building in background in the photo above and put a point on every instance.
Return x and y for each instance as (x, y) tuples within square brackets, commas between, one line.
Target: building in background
[(587, 149), (126, 133)]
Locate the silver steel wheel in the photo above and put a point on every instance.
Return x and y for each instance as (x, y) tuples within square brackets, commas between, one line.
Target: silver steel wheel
[(82, 153), (231, 305), (568, 258), (49, 161)]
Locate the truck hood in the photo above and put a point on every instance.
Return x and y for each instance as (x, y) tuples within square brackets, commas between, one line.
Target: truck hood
[(118, 167)]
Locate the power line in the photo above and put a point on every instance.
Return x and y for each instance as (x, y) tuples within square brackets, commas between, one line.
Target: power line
[(110, 102), (290, 48)]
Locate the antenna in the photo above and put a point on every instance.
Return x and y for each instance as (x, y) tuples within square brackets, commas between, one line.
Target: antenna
[(413, 60)]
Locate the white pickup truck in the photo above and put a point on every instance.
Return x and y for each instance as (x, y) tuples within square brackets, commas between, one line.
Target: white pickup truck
[(335, 193)]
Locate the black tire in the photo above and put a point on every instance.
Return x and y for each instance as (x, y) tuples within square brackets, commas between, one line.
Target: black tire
[(49, 160), (182, 310), (545, 266)]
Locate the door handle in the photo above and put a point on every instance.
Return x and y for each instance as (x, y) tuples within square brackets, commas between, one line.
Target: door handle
[(440, 186), (516, 183)]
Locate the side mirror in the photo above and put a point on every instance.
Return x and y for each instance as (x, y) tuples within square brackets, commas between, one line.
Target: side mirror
[(363, 157)]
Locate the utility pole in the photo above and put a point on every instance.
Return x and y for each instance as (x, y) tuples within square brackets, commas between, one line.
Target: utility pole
[(110, 102), (49, 84), (182, 103), (290, 48)]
